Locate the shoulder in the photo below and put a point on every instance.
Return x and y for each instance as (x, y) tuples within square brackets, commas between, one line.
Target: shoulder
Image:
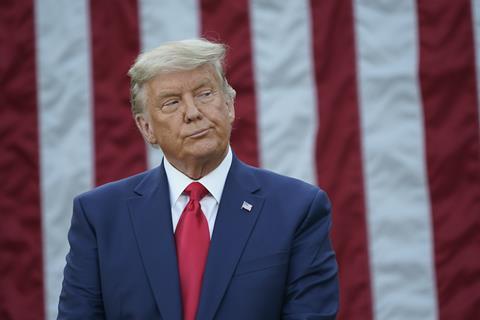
[(276, 182), (283, 188), (107, 205), (123, 188)]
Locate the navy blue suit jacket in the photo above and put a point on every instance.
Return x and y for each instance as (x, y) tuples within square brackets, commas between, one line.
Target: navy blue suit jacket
[(274, 262)]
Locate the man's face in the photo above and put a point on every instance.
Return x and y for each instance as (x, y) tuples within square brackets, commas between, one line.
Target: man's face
[(188, 115)]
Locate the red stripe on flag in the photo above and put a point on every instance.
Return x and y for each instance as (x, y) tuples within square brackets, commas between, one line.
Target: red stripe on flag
[(338, 150), (119, 147), (21, 268), (229, 22), (448, 86)]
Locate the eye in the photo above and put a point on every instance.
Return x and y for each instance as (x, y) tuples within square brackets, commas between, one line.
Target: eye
[(205, 93), (169, 103)]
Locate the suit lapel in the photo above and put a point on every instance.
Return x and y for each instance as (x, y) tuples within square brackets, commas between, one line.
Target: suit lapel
[(150, 213), (233, 227)]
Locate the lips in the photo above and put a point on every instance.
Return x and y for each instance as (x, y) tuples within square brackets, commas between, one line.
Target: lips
[(198, 133)]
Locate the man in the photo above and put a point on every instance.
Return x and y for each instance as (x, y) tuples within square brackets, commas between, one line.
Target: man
[(202, 236)]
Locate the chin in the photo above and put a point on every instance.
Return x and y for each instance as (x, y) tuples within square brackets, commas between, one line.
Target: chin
[(208, 150)]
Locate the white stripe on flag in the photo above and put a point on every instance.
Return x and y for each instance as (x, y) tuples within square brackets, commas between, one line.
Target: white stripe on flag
[(65, 122), (285, 87), (162, 21), (476, 30), (398, 210)]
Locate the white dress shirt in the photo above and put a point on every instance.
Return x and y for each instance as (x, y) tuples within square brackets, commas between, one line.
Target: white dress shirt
[(213, 182)]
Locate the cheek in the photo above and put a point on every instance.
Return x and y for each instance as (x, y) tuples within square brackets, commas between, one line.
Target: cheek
[(223, 123), (225, 114), (164, 124), (163, 135)]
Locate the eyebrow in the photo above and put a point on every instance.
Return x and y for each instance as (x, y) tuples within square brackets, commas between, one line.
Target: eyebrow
[(171, 93), (167, 94), (203, 82)]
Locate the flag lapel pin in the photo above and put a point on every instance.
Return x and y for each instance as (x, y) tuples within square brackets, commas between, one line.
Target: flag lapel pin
[(247, 206)]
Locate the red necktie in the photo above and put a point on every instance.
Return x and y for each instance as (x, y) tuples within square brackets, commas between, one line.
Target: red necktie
[(192, 239)]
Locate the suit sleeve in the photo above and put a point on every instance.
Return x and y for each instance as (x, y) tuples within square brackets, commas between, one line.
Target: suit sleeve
[(81, 296), (312, 288)]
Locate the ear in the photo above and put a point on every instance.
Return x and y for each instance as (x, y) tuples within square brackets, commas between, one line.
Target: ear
[(145, 128), (231, 110)]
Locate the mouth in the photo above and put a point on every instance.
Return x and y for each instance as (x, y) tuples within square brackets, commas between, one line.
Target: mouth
[(198, 133)]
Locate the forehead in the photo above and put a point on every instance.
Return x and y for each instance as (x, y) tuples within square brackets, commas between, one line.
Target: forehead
[(183, 80)]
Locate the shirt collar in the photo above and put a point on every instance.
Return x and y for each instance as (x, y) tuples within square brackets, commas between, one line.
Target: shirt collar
[(214, 181)]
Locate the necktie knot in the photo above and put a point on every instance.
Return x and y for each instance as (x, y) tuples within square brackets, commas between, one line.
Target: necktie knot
[(196, 191)]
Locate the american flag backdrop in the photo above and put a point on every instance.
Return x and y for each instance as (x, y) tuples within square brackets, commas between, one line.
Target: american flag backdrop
[(376, 101)]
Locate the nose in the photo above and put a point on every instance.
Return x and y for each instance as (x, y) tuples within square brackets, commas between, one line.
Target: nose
[(191, 111)]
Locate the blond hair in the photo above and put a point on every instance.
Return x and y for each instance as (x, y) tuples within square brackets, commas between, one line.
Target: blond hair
[(173, 56)]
